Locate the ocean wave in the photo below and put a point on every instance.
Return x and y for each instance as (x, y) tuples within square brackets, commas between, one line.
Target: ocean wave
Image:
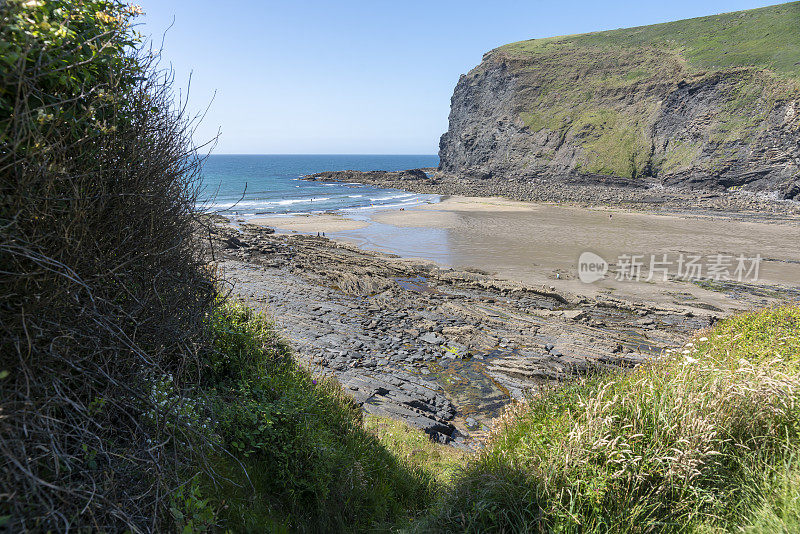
[(261, 204), (392, 197), (308, 204), (403, 204), (298, 201)]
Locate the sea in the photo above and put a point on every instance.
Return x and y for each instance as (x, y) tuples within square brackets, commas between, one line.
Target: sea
[(257, 185)]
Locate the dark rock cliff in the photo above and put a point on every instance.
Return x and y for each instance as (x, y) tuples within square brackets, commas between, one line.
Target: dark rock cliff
[(616, 104)]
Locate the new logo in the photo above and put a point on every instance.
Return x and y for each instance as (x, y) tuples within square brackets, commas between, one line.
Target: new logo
[(591, 267)]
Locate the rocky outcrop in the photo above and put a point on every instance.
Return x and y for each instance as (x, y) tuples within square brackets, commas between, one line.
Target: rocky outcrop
[(368, 176), (614, 104)]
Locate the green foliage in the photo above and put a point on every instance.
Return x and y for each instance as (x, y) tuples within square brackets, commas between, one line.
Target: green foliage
[(78, 51), (703, 439), (779, 509), (489, 498), (241, 342), (415, 448), (104, 279), (310, 464), (190, 511)]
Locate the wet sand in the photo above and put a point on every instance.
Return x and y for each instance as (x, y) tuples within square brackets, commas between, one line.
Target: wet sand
[(311, 224), (540, 244)]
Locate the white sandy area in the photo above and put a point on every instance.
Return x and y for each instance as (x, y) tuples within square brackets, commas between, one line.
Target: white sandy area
[(311, 223)]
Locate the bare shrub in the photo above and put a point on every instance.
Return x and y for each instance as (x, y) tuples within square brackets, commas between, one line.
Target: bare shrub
[(103, 284)]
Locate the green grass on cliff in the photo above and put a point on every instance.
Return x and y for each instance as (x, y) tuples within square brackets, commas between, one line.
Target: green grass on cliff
[(768, 37), (601, 91)]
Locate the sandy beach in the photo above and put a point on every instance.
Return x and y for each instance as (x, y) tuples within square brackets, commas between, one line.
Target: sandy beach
[(311, 224), (539, 244)]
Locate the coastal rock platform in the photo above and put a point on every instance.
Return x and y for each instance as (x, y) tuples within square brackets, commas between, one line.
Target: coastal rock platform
[(442, 349)]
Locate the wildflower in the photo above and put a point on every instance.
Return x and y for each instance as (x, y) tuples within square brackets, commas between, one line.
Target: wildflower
[(314, 382), (105, 17), (703, 339)]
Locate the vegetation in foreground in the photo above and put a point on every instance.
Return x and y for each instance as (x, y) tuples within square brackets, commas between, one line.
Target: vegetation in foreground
[(104, 284), (299, 456), (704, 439)]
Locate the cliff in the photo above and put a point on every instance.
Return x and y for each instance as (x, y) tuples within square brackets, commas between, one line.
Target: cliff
[(710, 102)]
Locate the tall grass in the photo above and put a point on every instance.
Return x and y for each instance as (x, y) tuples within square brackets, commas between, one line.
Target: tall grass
[(697, 439), (779, 507)]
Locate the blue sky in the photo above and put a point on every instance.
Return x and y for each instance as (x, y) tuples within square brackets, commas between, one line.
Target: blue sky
[(358, 77)]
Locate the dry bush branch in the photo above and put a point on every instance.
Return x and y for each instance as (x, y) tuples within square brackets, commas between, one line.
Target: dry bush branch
[(104, 289)]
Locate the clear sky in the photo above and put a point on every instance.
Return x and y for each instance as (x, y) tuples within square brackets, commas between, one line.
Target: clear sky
[(359, 77)]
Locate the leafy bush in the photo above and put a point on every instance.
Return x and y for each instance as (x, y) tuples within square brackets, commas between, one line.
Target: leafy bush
[(104, 285), (690, 440)]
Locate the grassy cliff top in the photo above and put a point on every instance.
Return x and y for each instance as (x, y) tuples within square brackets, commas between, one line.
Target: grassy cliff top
[(768, 37), (600, 92)]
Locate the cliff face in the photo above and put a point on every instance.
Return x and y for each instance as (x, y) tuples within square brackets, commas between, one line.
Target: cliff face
[(711, 102)]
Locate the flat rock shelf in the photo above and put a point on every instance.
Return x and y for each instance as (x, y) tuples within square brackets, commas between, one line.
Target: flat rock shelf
[(442, 349)]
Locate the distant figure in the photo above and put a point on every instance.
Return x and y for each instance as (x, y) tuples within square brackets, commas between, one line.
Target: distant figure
[(323, 234), (609, 215), (317, 234)]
